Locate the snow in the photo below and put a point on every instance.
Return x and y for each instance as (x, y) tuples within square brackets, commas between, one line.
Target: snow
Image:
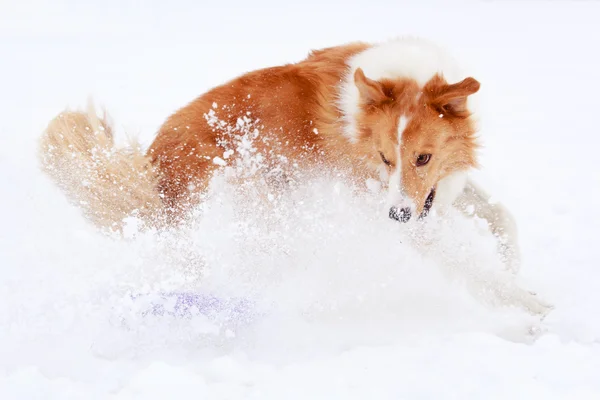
[(219, 161), (344, 306)]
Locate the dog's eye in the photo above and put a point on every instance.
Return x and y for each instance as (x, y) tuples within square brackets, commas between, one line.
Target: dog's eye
[(385, 160), (423, 159)]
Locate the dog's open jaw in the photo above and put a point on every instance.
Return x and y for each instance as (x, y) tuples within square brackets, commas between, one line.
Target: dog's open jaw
[(404, 214)]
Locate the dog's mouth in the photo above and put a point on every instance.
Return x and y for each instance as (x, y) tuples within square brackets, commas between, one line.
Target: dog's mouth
[(404, 214), (428, 203)]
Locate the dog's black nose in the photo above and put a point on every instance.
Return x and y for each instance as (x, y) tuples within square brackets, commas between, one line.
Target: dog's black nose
[(400, 214)]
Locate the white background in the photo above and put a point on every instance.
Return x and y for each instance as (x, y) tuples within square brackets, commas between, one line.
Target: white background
[(421, 336)]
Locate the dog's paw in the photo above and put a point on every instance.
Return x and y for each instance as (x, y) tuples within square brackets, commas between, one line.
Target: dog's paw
[(535, 305), (509, 255), (536, 331)]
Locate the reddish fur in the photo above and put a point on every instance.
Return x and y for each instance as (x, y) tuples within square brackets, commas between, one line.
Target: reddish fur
[(289, 103)]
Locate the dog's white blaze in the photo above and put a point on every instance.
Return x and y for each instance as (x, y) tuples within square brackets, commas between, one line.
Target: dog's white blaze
[(402, 122), (395, 196), (395, 188), (397, 176)]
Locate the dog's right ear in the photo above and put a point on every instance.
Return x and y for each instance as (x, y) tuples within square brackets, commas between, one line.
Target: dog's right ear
[(451, 99), (371, 92)]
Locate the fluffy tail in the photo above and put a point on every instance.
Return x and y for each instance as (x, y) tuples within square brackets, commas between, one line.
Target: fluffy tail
[(109, 184)]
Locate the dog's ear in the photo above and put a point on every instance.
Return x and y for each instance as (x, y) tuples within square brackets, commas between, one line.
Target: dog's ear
[(371, 91), (452, 99)]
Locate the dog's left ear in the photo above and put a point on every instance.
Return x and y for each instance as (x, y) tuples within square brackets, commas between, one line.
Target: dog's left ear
[(452, 99)]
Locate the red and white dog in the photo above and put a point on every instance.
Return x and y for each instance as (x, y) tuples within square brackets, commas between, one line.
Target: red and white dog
[(398, 112)]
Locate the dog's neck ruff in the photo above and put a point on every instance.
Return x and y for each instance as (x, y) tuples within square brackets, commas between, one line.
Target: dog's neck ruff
[(409, 58)]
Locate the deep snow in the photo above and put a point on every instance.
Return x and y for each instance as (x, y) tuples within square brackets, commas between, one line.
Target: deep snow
[(345, 307)]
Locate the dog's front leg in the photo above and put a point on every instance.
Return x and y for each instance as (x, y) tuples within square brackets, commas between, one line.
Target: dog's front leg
[(473, 201)]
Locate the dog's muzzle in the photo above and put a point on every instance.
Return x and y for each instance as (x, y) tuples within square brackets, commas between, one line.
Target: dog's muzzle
[(403, 214)]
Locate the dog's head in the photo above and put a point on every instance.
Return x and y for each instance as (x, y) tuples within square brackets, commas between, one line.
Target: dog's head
[(415, 135)]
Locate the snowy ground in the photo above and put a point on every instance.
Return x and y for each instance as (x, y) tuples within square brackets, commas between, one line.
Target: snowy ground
[(349, 311)]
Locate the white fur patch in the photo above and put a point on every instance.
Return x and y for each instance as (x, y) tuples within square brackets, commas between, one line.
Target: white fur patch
[(395, 195), (413, 58), (449, 188), (402, 122)]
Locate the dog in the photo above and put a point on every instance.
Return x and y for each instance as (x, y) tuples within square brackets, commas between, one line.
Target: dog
[(397, 112)]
